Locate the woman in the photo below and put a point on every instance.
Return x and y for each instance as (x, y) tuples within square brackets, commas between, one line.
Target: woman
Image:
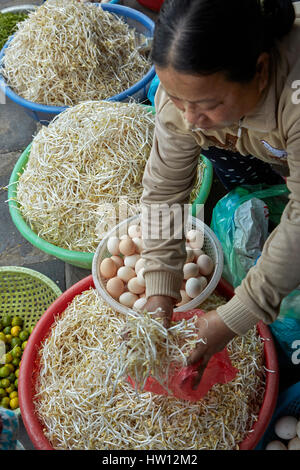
[(228, 75)]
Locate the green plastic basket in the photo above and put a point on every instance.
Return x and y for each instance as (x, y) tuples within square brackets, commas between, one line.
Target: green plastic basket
[(27, 294), (77, 258)]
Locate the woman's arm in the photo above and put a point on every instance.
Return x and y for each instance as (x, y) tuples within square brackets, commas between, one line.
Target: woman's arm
[(168, 181)]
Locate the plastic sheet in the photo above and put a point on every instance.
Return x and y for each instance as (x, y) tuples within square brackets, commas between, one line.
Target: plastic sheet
[(241, 248), (241, 230)]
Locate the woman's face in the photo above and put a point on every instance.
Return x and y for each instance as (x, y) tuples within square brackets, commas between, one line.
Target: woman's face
[(213, 102)]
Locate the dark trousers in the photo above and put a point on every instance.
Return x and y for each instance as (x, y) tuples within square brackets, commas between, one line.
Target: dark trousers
[(234, 169)]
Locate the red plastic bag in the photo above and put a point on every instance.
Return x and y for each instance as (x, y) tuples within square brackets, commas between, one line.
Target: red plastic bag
[(218, 370)]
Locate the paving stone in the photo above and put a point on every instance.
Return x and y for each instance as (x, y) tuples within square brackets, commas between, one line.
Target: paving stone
[(23, 436), (14, 249), (74, 274), (16, 127)]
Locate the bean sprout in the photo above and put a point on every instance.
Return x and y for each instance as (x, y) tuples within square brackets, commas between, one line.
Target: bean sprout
[(78, 169), (78, 410), (85, 172), (66, 52), (150, 349)]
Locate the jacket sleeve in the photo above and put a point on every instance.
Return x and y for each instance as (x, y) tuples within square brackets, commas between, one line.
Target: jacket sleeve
[(168, 181), (277, 272)]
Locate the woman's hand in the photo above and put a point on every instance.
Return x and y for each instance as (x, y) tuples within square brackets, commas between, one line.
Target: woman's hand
[(165, 303), (216, 336)]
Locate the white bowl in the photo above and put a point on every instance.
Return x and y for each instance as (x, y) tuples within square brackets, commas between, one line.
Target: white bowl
[(211, 247)]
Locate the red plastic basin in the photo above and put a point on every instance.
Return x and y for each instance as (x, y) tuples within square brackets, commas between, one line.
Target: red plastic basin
[(29, 369)]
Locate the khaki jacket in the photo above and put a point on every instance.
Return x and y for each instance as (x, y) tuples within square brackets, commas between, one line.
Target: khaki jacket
[(272, 134)]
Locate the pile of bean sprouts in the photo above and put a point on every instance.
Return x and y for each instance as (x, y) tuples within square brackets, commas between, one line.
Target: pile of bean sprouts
[(83, 170), (150, 349), (79, 410), (66, 52), (84, 173)]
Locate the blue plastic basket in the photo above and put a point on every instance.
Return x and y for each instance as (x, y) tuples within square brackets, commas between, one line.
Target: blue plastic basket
[(44, 114), (288, 404)]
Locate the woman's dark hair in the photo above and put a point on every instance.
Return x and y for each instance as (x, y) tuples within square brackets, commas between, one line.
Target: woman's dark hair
[(202, 37)]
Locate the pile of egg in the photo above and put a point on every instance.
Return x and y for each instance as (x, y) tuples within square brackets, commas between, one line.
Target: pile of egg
[(288, 429), (123, 271)]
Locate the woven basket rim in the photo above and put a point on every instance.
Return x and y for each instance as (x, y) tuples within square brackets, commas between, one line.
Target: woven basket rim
[(31, 272), (36, 275)]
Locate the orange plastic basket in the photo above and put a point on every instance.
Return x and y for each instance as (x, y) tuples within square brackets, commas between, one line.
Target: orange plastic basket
[(29, 369)]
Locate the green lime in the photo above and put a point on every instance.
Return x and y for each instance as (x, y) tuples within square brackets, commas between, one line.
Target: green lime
[(1, 325), (16, 352), (4, 371), (2, 337), (6, 320), (17, 321), (12, 377), (16, 362), (11, 388), (11, 367), (7, 358), (5, 383), (8, 339), (17, 373), (14, 403), (5, 402), (15, 331), (7, 330), (16, 382), (2, 393), (24, 344), (15, 342), (30, 329), (24, 335)]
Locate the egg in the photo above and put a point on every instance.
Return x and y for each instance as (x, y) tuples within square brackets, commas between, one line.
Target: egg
[(205, 264), (294, 444), (195, 238), (117, 260), (203, 281), (184, 298), (197, 253), (193, 287), (139, 264), (131, 260), (125, 273), (138, 244), (285, 427), (276, 445), (140, 277), (140, 303), (113, 245), (115, 287), (108, 268), (135, 287), (189, 254), (127, 247), (125, 236), (134, 231), (128, 299), (190, 270)]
